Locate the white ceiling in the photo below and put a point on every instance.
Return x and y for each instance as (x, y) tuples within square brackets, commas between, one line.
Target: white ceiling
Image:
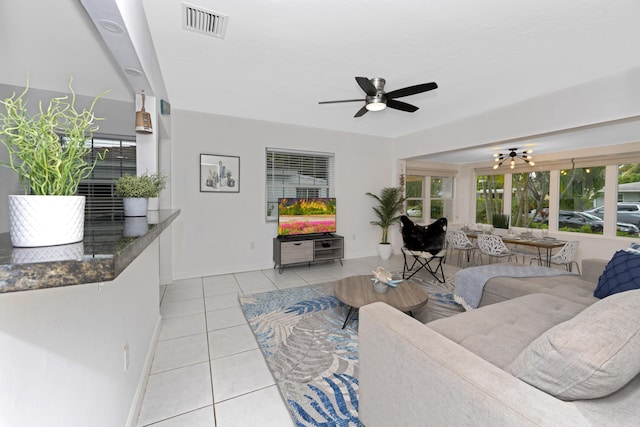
[(280, 57)]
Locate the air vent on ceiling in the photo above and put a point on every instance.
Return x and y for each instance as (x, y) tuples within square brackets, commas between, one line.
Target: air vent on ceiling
[(204, 21)]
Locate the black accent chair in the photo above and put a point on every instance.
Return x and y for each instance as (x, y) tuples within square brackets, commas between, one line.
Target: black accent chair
[(424, 247)]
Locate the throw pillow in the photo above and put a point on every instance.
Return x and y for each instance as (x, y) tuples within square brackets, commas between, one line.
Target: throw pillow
[(589, 356), (622, 273)]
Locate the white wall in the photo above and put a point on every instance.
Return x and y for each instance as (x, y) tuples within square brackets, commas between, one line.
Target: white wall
[(62, 360), (214, 232)]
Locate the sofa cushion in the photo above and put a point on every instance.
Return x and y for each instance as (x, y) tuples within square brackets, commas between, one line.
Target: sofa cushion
[(570, 287), (499, 332), (622, 273), (589, 356)]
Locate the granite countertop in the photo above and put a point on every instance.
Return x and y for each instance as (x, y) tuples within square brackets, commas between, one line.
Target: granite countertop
[(109, 246)]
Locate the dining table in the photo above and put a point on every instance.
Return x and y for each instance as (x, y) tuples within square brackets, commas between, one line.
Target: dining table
[(542, 244)]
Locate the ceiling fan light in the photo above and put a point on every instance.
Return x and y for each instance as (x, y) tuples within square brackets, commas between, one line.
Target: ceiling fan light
[(376, 105)]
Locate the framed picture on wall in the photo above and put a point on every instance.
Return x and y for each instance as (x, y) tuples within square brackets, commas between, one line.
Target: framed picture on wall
[(219, 174)]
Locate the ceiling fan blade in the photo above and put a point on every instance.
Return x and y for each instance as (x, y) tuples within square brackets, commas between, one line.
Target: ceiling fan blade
[(367, 86), (411, 90), (344, 100), (361, 112), (399, 105)]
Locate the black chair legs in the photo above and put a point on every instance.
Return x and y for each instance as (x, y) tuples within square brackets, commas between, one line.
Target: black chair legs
[(424, 259)]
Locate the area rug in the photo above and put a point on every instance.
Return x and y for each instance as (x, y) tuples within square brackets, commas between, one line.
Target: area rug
[(313, 360)]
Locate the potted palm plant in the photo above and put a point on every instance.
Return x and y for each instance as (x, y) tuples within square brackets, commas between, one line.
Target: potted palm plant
[(387, 211), (136, 191), (47, 151)]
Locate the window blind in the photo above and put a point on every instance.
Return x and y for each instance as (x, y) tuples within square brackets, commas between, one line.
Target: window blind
[(99, 188), (297, 174)]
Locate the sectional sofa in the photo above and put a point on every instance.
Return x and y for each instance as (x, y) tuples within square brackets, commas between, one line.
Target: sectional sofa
[(531, 355)]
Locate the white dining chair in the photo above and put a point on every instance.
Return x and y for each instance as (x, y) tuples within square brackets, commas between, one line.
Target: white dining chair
[(493, 246), (565, 256), (458, 240)]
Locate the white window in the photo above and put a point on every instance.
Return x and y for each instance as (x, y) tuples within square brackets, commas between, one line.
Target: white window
[(441, 190), (429, 197), (415, 196), (297, 174)]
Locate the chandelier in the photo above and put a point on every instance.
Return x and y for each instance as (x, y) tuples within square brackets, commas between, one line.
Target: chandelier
[(512, 156)]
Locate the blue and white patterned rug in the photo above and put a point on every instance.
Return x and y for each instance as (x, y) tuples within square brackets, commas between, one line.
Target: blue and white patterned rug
[(313, 360)]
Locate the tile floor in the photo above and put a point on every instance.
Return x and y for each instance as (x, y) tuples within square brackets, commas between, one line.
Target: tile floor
[(207, 369)]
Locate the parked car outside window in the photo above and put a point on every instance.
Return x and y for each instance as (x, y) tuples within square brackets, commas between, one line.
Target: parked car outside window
[(627, 212), (577, 220), (415, 212)]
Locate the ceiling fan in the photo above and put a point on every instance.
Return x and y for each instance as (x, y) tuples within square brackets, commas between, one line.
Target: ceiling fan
[(377, 99)]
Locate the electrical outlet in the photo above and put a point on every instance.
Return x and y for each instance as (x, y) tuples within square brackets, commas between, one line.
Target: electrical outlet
[(125, 353)]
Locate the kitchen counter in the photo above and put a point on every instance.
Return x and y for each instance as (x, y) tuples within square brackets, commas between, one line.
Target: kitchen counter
[(109, 246)]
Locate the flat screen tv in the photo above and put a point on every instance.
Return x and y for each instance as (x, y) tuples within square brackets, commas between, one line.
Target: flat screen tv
[(298, 216)]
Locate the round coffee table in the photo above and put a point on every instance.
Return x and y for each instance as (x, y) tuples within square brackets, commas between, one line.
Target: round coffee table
[(357, 291)]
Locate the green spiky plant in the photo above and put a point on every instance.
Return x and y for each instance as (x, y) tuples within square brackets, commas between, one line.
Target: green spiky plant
[(500, 220), (46, 165), (388, 210)]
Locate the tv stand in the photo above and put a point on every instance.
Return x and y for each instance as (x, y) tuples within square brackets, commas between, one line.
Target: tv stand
[(289, 250)]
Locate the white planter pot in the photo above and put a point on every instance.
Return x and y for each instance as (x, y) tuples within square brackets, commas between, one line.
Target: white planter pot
[(135, 206), (385, 250), (36, 221), (154, 204)]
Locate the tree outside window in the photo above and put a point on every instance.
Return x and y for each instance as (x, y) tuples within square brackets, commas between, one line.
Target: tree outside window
[(489, 192), (628, 211), (414, 196), (441, 196), (530, 201), (580, 190)]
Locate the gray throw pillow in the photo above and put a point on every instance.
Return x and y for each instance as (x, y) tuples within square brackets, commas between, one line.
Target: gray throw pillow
[(589, 356)]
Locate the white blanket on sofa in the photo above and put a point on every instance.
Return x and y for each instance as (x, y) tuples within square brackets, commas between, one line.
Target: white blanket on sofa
[(470, 282)]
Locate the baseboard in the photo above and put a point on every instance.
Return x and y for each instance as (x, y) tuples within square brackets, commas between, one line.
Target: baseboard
[(134, 411)]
